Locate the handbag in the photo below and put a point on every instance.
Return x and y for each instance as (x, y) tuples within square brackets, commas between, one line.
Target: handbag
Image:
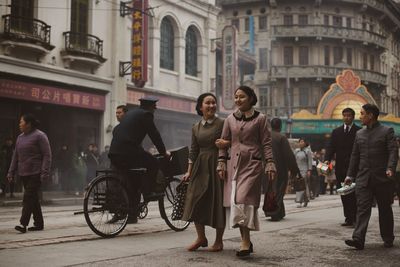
[(299, 183), (179, 201), (270, 201)]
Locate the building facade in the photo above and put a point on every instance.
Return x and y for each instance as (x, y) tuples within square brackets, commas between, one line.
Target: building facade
[(301, 47), (61, 60)]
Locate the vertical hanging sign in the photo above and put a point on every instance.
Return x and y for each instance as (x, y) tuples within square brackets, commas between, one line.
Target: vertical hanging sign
[(229, 66), (139, 42)]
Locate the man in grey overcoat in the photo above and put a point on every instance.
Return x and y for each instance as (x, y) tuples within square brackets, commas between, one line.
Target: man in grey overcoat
[(372, 166)]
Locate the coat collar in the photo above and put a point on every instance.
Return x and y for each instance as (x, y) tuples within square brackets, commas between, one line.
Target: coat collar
[(246, 116)]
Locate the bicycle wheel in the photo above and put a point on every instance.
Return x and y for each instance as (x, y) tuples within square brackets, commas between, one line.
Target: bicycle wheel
[(165, 206), (106, 206)]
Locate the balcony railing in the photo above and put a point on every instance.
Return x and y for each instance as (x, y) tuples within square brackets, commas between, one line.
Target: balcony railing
[(27, 30), (84, 44), (326, 31), (320, 72)]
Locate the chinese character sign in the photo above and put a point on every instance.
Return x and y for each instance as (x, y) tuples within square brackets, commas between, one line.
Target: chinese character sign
[(139, 42), (229, 66), (50, 95)]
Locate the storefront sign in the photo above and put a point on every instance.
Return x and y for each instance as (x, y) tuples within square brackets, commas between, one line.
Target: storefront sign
[(229, 66), (50, 95), (139, 42), (164, 102)]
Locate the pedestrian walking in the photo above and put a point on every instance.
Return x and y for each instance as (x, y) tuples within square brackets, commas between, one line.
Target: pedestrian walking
[(372, 166), (304, 162), (64, 165), (92, 161), (285, 163), (397, 176), (249, 133), (204, 196), (6, 154), (104, 159), (31, 162), (339, 147)]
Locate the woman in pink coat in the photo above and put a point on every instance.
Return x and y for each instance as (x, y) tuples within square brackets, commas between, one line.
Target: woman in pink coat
[(250, 137)]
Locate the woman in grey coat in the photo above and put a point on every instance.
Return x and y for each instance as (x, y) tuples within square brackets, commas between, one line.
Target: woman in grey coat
[(303, 156)]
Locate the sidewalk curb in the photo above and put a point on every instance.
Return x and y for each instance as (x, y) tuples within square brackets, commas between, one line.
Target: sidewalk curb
[(45, 202)]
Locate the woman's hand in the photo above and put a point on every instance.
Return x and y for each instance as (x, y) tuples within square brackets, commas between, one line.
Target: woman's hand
[(186, 177), (270, 170), (222, 143), (221, 170)]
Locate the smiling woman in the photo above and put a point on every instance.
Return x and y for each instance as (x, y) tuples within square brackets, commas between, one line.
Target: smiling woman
[(203, 203), (250, 139)]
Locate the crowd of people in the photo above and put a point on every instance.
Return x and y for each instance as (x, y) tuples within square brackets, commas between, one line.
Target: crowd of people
[(230, 161)]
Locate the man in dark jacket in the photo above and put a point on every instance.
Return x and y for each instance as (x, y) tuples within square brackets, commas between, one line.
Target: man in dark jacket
[(126, 149), (339, 147), (372, 165), (285, 162)]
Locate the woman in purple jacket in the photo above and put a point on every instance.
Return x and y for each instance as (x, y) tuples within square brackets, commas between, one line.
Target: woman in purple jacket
[(31, 162)]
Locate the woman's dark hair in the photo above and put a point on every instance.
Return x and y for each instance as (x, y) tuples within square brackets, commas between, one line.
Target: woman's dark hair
[(200, 100), (29, 118), (276, 124), (249, 92), (349, 110), (372, 109)]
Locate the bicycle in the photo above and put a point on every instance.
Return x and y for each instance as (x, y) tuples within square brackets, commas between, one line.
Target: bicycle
[(106, 202)]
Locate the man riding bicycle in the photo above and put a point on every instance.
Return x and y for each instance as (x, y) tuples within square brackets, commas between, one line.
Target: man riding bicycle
[(126, 151)]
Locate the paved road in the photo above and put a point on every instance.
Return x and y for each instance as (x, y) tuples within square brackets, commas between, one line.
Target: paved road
[(307, 237)]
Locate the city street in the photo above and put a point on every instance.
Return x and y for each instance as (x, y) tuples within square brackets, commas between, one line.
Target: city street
[(309, 236)]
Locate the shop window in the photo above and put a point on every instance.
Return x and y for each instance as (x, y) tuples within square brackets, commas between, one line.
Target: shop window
[(191, 52), (167, 45), (288, 55), (303, 55)]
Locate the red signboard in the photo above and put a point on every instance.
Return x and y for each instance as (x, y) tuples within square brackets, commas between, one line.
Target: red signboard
[(139, 42), (164, 102), (50, 95)]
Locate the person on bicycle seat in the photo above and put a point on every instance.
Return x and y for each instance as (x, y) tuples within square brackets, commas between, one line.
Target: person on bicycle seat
[(126, 151)]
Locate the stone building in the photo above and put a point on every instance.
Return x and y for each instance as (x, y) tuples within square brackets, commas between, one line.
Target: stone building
[(301, 46), (62, 60)]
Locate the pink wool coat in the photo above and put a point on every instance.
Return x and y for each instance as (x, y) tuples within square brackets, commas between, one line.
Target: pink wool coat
[(250, 142)]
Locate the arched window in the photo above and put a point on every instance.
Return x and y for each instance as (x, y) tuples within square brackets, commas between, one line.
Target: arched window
[(167, 45), (191, 52)]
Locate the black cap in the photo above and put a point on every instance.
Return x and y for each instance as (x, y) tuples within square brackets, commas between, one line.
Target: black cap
[(148, 100)]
